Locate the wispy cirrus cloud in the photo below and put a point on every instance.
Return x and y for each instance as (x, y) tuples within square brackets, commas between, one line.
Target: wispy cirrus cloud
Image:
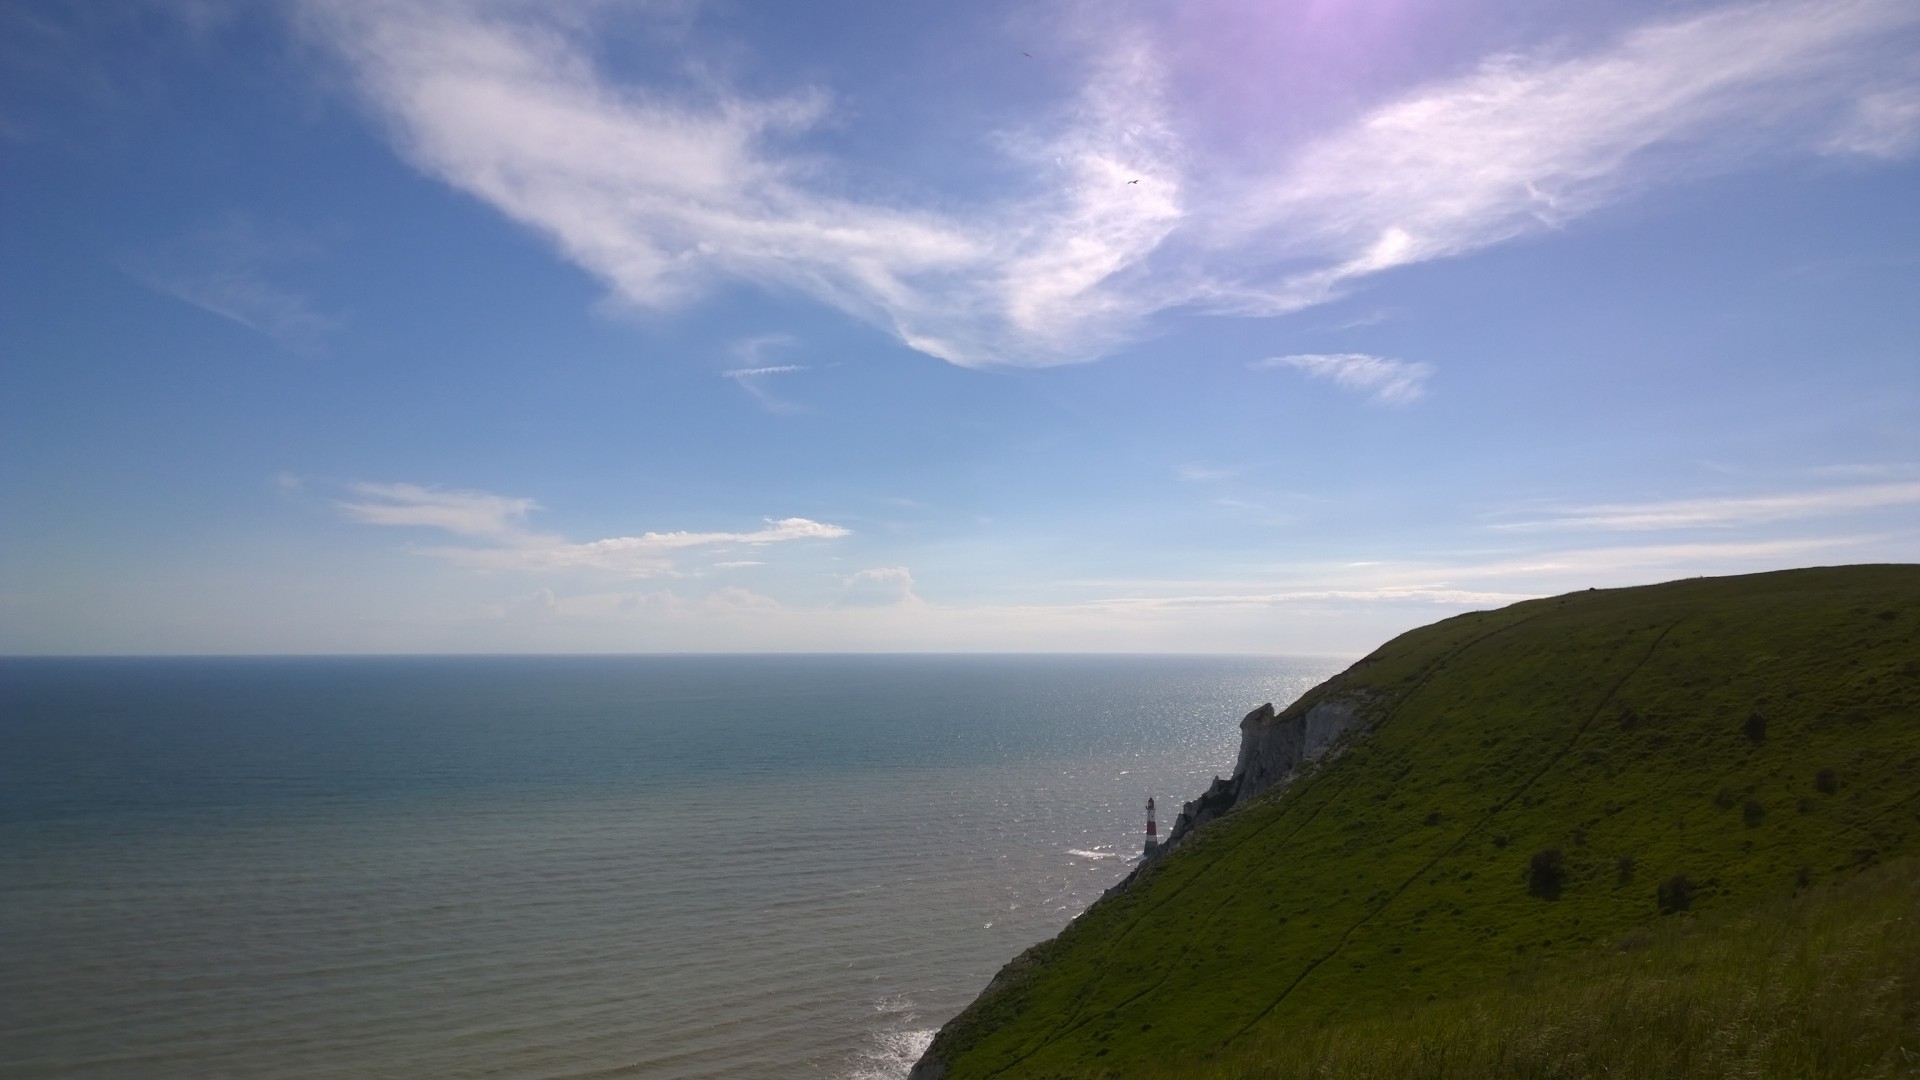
[(232, 269), (665, 191), (1882, 125), (510, 546), (647, 555), (464, 513), (1204, 474), (1726, 512), (1390, 382), (1530, 142)]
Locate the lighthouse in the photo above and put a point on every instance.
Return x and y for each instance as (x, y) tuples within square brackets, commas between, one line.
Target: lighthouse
[(1153, 840)]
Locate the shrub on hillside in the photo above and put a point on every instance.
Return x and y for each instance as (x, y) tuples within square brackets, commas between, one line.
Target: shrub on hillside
[(1546, 873), (1826, 782), (1675, 894), (1756, 727)]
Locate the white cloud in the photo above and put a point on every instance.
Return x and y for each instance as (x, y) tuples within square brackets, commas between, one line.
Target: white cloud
[(734, 600), (501, 520), (663, 192), (659, 194), (647, 555), (879, 585), (466, 513), (1529, 143), (1882, 125), (1392, 382), (1728, 511)]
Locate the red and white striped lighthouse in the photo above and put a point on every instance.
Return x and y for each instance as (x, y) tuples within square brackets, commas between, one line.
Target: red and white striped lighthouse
[(1153, 840)]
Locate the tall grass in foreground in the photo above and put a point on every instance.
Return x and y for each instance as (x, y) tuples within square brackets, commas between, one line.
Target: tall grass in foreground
[(1826, 984)]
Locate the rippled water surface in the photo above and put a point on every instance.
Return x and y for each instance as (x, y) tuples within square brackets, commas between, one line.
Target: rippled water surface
[(661, 867)]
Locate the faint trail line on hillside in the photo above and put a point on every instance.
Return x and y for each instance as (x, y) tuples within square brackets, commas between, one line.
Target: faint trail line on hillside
[(1075, 1020), (1579, 733)]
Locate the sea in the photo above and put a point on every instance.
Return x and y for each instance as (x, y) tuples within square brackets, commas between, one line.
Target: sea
[(662, 867)]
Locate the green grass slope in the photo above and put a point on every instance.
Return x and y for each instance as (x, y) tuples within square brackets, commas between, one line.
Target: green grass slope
[(1819, 985), (1538, 781)]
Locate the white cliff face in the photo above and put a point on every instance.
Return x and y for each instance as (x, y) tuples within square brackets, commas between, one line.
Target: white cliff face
[(1273, 747)]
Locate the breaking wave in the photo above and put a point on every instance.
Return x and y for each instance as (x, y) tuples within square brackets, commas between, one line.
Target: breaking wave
[(891, 1052)]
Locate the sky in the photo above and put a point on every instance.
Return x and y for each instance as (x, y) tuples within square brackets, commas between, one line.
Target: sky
[(441, 326)]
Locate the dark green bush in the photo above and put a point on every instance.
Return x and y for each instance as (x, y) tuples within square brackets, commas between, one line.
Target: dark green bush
[(1546, 873), (1675, 894)]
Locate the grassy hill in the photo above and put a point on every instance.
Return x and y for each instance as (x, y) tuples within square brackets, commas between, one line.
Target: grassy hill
[(1821, 984), (1538, 785)]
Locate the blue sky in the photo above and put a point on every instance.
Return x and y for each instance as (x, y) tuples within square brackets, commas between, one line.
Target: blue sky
[(491, 325)]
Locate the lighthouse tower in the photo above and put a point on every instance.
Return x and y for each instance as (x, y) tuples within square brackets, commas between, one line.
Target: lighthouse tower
[(1153, 839)]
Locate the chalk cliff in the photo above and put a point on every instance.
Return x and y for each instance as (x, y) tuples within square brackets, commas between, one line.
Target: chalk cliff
[(1274, 746)]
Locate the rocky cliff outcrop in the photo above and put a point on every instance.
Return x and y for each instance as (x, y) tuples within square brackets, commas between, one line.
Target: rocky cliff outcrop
[(1273, 747)]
